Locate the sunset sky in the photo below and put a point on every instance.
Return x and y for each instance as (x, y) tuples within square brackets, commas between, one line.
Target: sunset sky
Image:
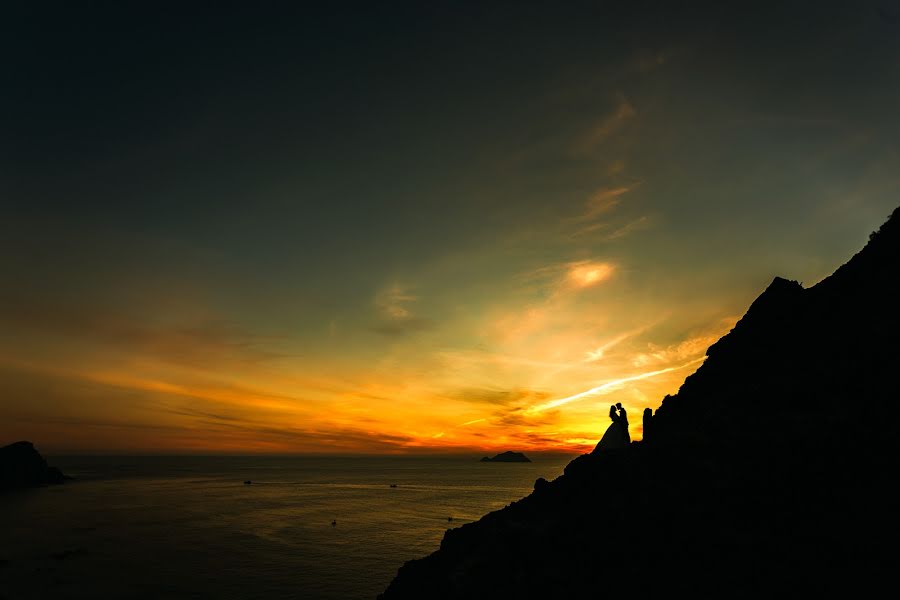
[(413, 227)]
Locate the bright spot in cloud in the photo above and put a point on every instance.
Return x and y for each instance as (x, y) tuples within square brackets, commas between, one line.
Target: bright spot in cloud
[(586, 274)]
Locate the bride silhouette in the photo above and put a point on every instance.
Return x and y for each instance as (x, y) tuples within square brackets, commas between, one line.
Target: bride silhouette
[(616, 435)]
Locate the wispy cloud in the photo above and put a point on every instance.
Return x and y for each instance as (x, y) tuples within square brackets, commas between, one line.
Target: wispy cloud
[(496, 397), (394, 302), (586, 273), (602, 202), (395, 311), (466, 359), (610, 386), (601, 351), (606, 126), (220, 393), (511, 412), (600, 218), (690, 348), (403, 327), (642, 222), (160, 415), (570, 276), (200, 342)]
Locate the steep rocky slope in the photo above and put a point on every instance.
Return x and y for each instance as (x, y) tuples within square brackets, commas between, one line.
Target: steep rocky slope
[(770, 471)]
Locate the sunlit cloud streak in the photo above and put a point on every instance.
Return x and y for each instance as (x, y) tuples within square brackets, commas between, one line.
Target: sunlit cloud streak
[(601, 351), (601, 221), (606, 126), (610, 386), (602, 202)]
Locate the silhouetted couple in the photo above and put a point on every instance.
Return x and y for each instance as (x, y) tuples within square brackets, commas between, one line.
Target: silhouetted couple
[(616, 435)]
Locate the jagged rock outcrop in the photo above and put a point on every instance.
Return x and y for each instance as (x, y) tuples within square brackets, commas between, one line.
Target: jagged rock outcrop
[(22, 466), (508, 456), (769, 472)]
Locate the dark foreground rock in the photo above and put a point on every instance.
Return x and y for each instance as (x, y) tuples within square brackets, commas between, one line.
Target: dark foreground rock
[(22, 466), (770, 472), (507, 457)]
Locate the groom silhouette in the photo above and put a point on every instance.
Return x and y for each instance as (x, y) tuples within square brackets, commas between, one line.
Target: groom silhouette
[(622, 419)]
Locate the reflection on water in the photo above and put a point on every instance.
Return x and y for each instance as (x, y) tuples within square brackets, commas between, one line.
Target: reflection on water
[(188, 527)]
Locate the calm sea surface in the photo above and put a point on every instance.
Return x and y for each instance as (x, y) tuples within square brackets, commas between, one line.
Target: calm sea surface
[(188, 527)]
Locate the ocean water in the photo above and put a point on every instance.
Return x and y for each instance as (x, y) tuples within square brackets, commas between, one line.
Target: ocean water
[(188, 527)]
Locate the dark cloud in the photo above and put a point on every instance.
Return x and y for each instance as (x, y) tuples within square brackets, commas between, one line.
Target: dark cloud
[(497, 396), (522, 417), (142, 420), (402, 327), (203, 343)]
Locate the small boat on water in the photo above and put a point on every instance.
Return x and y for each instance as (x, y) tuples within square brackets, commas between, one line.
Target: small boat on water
[(393, 485)]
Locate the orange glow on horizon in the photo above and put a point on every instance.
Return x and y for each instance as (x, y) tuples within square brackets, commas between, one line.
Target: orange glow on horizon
[(192, 409), (540, 378)]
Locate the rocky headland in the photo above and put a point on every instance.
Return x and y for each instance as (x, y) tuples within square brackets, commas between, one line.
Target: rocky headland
[(22, 466), (770, 472)]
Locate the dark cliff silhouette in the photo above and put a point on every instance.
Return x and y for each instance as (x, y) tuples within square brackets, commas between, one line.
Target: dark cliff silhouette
[(508, 456), (769, 472), (22, 466)]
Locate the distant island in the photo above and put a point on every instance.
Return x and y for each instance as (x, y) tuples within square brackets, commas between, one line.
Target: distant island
[(507, 457), (22, 466)]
